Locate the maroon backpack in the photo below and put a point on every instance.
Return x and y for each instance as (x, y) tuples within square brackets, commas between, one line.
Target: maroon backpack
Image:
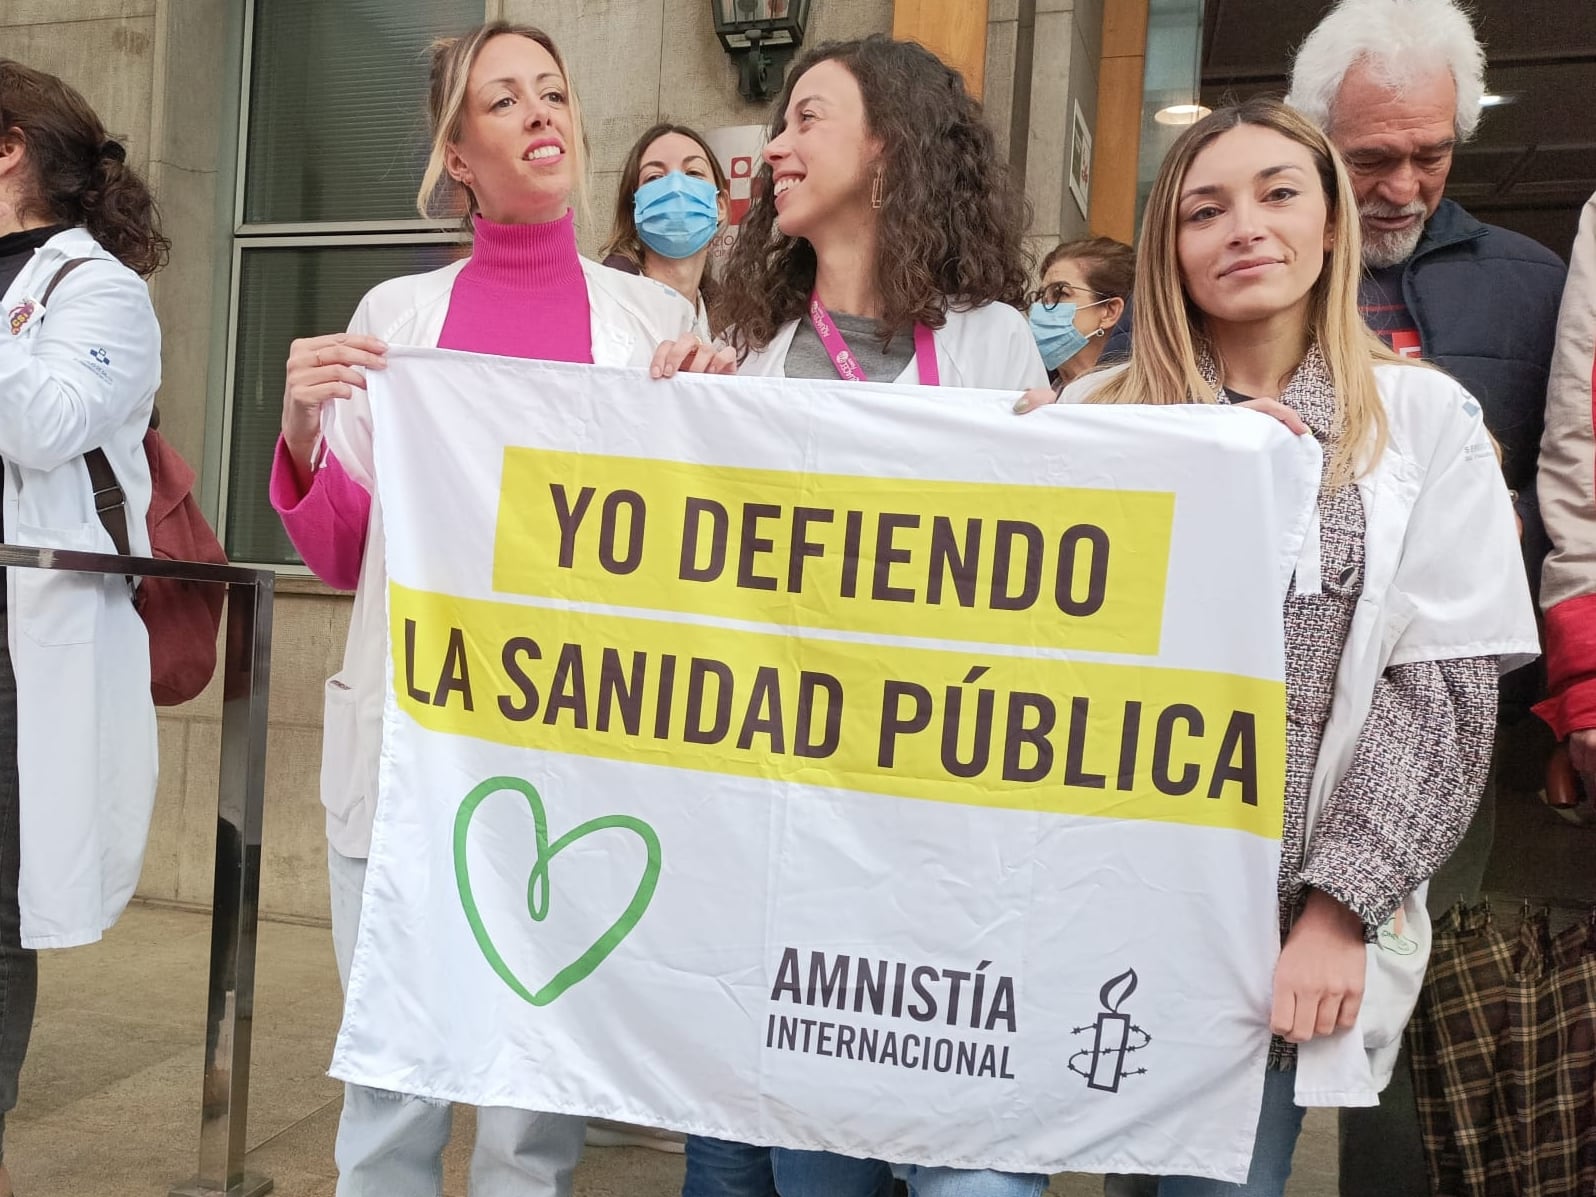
[(182, 618)]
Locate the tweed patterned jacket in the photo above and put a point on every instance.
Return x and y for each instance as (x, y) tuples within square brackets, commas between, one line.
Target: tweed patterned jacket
[(1424, 751)]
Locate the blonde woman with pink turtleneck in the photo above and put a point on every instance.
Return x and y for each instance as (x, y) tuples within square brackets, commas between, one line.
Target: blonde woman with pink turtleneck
[(507, 139)]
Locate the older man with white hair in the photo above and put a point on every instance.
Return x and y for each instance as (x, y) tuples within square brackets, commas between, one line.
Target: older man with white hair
[(1397, 85)]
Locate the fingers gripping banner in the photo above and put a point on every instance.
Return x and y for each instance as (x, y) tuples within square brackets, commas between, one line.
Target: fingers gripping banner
[(825, 765)]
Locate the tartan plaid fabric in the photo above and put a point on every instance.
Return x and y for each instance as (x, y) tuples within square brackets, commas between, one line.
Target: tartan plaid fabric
[(1503, 1045)]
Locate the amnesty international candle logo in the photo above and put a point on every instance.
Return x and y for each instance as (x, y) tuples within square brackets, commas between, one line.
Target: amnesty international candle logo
[(538, 886), (1114, 1037)]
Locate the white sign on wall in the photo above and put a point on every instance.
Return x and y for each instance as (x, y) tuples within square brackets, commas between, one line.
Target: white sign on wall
[(1080, 160), (737, 147)]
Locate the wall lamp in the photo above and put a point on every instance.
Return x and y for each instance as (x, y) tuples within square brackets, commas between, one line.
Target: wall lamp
[(761, 36)]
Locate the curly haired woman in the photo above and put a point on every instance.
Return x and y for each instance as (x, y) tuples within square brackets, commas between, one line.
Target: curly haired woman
[(884, 241), (884, 244)]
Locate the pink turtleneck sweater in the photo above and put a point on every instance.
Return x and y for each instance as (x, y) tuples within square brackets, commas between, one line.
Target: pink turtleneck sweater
[(521, 294)]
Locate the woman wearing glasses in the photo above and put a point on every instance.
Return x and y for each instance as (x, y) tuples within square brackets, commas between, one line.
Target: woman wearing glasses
[(1085, 287)]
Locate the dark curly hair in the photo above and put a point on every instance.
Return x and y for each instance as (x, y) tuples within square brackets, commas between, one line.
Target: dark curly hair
[(951, 217), (76, 174)]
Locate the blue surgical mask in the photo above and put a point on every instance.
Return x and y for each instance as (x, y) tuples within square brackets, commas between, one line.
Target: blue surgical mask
[(676, 215), (1056, 334)]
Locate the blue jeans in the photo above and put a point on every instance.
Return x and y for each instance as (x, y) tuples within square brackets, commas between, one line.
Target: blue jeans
[(1279, 1123), (826, 1174), (722, 1168), (391, 1144)]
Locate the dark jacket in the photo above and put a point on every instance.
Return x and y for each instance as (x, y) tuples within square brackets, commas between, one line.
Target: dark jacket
[(1119, 337), (1485, 303)]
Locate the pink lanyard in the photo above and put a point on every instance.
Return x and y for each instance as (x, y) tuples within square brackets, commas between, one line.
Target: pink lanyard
[(848, 368)]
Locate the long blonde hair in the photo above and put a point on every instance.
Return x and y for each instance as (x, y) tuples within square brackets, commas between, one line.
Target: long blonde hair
[(1168, 329), (452, 60)]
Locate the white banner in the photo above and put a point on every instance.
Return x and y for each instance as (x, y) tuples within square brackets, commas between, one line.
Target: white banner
[(825, 765)]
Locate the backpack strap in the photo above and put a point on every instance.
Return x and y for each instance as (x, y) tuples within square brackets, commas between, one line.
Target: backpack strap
[(66, 269), (110, 504)]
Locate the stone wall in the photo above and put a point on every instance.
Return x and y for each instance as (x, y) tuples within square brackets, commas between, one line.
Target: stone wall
[(1041, 59)]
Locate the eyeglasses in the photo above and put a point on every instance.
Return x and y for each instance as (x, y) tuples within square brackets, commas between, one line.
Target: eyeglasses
[(1054, 294)]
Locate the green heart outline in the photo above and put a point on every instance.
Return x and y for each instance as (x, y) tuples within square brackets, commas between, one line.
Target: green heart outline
[(538, 885)]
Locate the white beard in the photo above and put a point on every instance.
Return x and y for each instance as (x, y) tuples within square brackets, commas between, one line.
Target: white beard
[(1387, 249)]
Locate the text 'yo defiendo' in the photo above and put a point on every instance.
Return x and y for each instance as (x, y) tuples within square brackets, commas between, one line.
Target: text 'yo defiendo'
[(848, 611)]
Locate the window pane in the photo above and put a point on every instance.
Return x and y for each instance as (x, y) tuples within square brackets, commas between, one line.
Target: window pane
[(338, 104), (285, 293)]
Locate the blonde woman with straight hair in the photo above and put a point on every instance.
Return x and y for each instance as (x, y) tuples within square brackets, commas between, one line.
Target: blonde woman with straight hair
[(1396, 625), (507, 150), (1177, 358)]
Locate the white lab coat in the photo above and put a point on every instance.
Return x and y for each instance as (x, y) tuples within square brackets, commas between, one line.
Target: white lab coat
[(1442, 579), (630, 316), (989, 347), (81, 376)]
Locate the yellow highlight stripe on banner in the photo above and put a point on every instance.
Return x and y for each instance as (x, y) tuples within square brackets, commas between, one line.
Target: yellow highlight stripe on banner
[(989, 563), (1024, 733)]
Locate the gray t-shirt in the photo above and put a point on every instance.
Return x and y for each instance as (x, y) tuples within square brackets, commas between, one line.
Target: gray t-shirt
[(807, 357)]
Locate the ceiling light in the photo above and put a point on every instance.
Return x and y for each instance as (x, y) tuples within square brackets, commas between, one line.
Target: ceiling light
[(1489, 100), (1181, 114)]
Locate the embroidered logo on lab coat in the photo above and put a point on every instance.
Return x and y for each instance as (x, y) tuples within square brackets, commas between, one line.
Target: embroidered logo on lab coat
[(97, 361), (21, 314)]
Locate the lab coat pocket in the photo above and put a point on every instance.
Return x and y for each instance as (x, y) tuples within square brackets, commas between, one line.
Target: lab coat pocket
[(56, 607), (341, 773), (1398, 957)]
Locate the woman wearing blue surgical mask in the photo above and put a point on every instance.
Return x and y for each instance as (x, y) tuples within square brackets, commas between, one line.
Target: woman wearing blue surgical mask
[(1085, 287), (672, 201)]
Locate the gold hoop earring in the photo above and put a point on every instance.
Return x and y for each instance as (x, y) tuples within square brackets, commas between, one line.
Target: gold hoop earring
[(875, 190)]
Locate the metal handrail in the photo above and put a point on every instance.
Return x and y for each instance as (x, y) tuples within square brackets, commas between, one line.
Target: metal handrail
[(240, 802)]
